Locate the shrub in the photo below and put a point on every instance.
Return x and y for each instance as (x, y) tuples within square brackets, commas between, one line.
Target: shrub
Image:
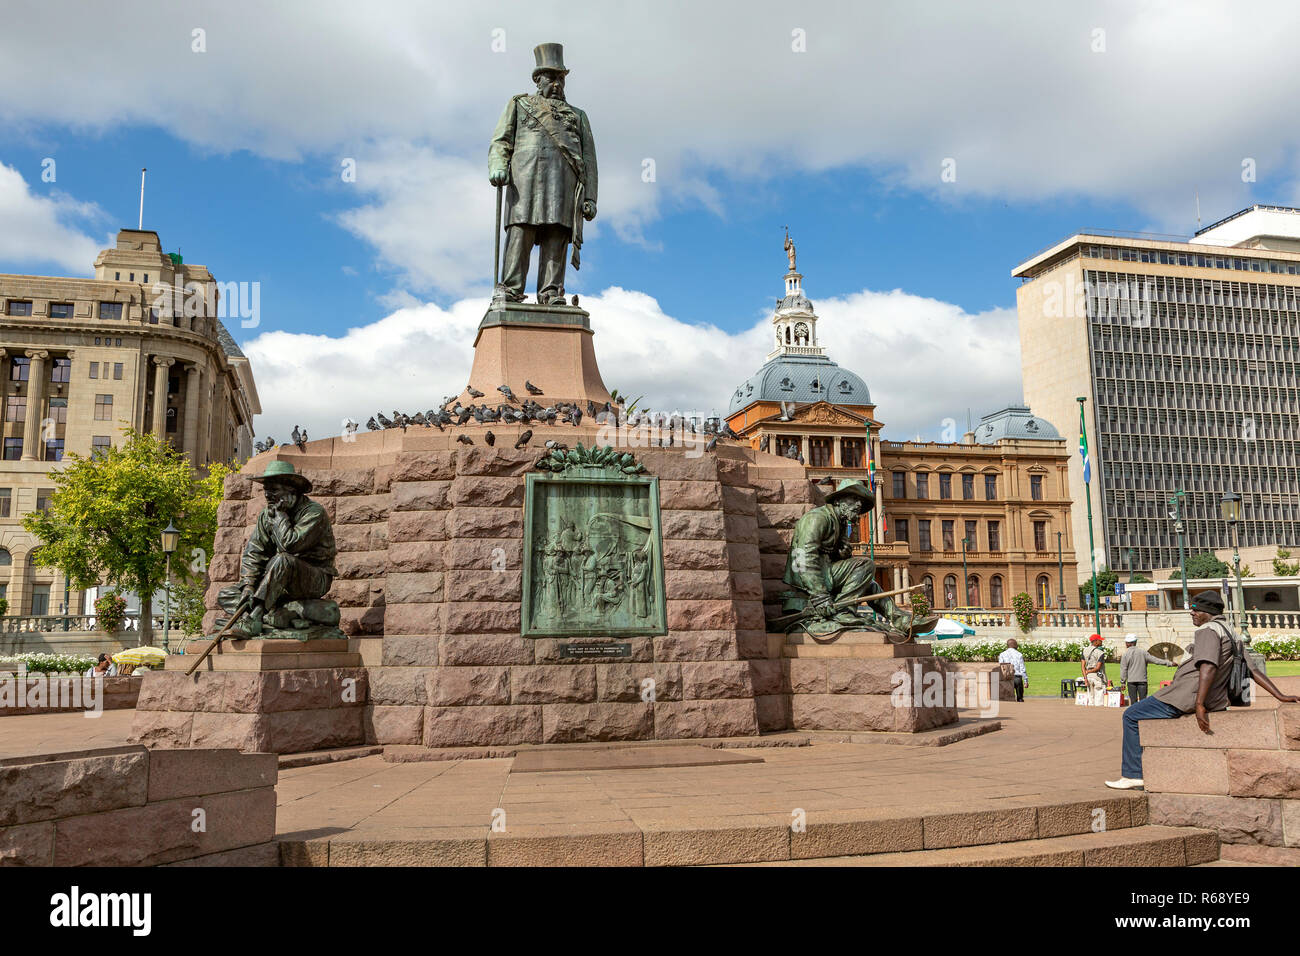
[(920, 606), (110, 612), (39, 662), (1024, 606), (4, 607), (986, 651)]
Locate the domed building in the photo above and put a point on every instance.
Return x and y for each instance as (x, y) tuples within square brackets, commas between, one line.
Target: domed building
[(1004, 488)]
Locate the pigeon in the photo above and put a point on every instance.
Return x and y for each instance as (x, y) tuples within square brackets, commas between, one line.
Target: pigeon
[(465, 414), (505, 390), (787, 411), (384, 422), (577, 417), (464, 439), (300, 438), (372, 424), (828, 481), (270, 442), (419, 419), (490, 439), (712, 443), (257, 446), (532, 389), (474, 392), (350, 426), (525, 438), (591, 408), (728, 433), (296, 435), (764, 443)]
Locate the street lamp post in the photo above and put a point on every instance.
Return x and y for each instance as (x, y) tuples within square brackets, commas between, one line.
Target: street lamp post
[(1060, 572), (171, 537), (965, 578), (1176, 513), (1230, 507)]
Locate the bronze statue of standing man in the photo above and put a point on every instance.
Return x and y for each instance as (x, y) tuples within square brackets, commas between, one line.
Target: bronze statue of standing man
[(543, 153)]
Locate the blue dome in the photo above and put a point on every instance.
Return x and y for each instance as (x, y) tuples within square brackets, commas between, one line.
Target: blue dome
[(1014, 421), (791, 378)]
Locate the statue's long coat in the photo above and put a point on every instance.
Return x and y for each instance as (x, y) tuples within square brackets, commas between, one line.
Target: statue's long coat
[(543, 186)]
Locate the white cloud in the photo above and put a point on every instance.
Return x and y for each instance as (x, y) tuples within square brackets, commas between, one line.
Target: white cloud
[(45, 230), (924, 360), (1013, 92)]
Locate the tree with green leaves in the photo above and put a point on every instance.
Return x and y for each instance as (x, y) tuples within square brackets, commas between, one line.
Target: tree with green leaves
[(1203, 565), (1105, 585), (1137, 577), (106, 517), (1284, 568)]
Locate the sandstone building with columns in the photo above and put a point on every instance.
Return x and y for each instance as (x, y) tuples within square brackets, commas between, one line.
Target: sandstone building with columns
[(141, 345), (1004, 487)]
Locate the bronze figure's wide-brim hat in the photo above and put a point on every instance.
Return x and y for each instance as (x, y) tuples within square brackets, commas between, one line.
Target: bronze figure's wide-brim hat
[(550, 56), (283, 470), (851, 486)]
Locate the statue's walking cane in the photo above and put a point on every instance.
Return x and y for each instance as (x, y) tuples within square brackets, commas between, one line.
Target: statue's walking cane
[(496, 249)]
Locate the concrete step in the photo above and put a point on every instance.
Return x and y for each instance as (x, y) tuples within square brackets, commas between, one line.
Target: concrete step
[(998, 831), (1135, 846)]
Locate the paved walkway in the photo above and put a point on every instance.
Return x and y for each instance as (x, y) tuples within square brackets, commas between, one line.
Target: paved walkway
[(1047, 749)]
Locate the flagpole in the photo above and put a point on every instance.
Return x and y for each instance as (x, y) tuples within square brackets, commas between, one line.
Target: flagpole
[(1087, 486)]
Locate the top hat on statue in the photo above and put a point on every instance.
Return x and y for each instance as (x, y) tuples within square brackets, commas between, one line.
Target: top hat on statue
[(550, 56)]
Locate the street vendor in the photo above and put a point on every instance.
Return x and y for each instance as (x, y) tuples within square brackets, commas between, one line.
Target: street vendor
[(822, 564), (289, 556)]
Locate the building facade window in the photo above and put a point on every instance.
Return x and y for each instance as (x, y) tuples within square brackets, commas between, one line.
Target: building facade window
[(819, 452), (100, 444), (6, 508), (60, 310), (973, 591), (59, 411), (1040, 535), (968, 487), (927, 588), (16, 408), (40, 599), (1044, 589), (990, 487), (1036, 487), (995, 536), (922, 485), (900, 485), (972, 542), (945, 486), (43, 496), (950, 591), (94, 370), (20, 367), (900, 529), (18, 308), (948, 544), (54, 449), (103, 408), (61, 370), (13, 449), (5, 558), (923, 534), (995, 591), (117, 367), (851, 453), (110, 310)]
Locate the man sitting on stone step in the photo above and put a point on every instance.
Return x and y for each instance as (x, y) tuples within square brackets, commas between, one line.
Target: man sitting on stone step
[(288, 564), (1200, 685)]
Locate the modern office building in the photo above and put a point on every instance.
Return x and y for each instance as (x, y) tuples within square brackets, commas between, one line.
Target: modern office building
[(1188, 355), (86, 358), (1003, 488)]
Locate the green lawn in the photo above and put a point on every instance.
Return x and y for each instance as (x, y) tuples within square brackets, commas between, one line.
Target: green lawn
[(1045, 676)]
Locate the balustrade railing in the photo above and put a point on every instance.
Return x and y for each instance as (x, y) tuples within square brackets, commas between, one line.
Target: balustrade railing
[(49, 623)]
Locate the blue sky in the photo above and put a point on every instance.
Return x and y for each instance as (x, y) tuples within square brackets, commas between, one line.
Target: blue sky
[(1052, 115)]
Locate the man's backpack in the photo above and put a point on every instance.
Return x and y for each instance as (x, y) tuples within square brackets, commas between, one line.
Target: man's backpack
[(1240, 687)]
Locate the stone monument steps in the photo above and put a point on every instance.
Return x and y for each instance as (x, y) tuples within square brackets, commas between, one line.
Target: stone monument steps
[(1048, 832), (1136, 846)]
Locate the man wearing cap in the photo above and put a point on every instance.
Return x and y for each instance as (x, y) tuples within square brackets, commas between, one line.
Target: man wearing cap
[(289, 556), (1200, 685), (1094, 670), (543, 153), (1133, 668), (821, 562)]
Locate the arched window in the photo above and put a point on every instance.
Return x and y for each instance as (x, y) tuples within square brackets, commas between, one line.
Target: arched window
[(5, 559), (973, 591), (927, 588), (950, 591), (995, 591), (1044, 591)]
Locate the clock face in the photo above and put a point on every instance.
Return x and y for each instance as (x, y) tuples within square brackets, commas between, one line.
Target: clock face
[(801, 332)]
